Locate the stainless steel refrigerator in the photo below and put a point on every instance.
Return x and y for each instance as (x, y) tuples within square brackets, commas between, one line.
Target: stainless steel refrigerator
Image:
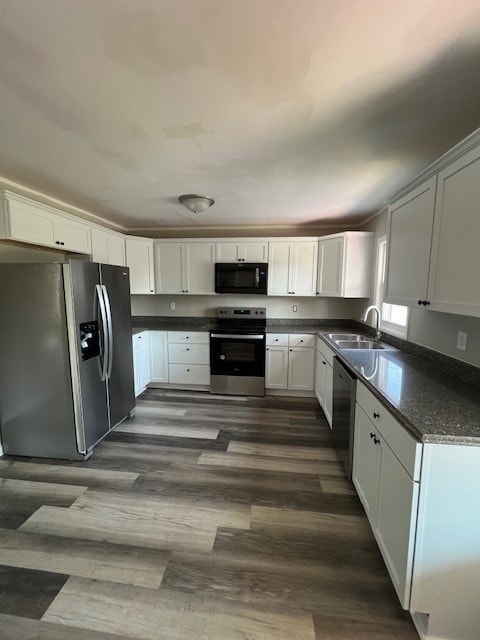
[(66, 365)]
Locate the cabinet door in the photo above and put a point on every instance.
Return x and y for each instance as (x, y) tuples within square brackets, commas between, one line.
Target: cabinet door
[(276, 367), (199, 267), (366, 461), (30, 224), (227, 252), (330, 267), (328, 401), (140, 262), (320, 377), (169, 267), (300, 369), (278, 268), (396, 521), (143, 360), (136, 368), (99, 246), (255, 251), (453, 284), (158, 356), (409, 241), (116, 250), (73, 236), (302, 279)]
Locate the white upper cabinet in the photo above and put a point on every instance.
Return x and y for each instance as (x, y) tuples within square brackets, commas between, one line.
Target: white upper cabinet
[(433, 257), (108, 248), (35, 223), (292, 268), (255, 251), (71, 235), (139, 253), (185, 267), (410, 222), (455, 263), (345, 265)]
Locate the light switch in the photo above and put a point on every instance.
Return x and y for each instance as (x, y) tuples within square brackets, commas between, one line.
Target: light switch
[(294, 307), (172, 306)]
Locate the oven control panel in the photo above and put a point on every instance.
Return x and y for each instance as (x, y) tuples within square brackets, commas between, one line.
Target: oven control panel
[(244, 313)]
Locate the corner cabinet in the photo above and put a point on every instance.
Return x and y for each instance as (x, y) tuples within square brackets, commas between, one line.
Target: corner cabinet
[(185, 267), (292, 268), (345, 265), (139, 254), (433, 257)]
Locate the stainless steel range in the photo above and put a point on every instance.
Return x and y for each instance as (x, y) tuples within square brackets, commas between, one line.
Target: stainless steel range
[(237, 351)]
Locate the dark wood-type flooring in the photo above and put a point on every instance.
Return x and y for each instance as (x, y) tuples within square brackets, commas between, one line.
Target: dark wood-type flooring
[(203, 518)]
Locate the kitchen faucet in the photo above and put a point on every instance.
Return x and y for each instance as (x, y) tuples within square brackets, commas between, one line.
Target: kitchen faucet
[(372, 307)]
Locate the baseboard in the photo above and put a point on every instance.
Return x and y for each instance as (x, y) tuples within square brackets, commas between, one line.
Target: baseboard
[(178, 387), (288, 392)]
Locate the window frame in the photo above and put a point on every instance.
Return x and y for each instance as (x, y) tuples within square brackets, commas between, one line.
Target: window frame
[(398, 330)]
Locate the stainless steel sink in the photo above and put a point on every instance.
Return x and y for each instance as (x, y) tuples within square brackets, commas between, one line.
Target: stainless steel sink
[(346, 336), (358, 344)]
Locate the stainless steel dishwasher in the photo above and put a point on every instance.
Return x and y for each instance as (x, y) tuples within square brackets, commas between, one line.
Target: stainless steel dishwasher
[(343, 419)]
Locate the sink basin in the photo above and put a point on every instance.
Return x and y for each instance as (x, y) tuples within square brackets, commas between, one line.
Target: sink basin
[(358, 344), (346, 336)]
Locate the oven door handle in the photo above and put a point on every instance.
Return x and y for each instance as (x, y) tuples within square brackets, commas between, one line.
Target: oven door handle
[(237, 335)]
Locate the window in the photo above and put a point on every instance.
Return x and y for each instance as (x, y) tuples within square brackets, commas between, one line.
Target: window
[(393, 317)]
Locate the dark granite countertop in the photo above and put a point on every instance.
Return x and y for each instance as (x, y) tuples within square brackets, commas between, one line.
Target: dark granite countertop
[(431, 404)]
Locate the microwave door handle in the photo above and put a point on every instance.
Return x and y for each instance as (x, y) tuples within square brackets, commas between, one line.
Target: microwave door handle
[(257, 277)]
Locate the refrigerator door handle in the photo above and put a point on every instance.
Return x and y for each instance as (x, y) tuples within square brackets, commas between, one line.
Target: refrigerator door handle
[(104, 323), (108, 310)]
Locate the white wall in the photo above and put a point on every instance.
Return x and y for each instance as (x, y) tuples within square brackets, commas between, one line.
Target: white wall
[(436, 330), (277, 307)]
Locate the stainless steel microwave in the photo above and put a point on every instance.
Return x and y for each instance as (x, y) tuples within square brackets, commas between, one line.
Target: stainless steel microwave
[(245, 277)]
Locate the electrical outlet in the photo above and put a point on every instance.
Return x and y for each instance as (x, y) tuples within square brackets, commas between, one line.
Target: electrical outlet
[(172, 306), (462, 340), (294, 307)]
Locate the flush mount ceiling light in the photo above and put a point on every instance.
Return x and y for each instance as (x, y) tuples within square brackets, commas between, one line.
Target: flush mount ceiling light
[(195, 203)]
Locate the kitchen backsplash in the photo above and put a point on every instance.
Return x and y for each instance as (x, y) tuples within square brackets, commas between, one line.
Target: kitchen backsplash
[(276, 307)]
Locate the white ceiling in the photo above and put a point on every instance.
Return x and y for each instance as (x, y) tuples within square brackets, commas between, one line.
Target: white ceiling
[(287, 112)]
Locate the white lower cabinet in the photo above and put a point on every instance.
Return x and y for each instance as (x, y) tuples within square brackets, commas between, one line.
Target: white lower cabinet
[(289, 367), (276, 367), (301, 363), (422, 502), (141, 363), (324, 378), (189, 358), (158, 356)]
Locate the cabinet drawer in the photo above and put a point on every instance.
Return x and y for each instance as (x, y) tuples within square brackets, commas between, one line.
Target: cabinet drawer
[(188, 353), (189, 373), (277, 339), (198, 337), (301, 340), (326, 352), (404, 446)]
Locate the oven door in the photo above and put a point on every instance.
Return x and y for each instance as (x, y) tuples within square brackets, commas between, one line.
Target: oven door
[(237, 355)]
